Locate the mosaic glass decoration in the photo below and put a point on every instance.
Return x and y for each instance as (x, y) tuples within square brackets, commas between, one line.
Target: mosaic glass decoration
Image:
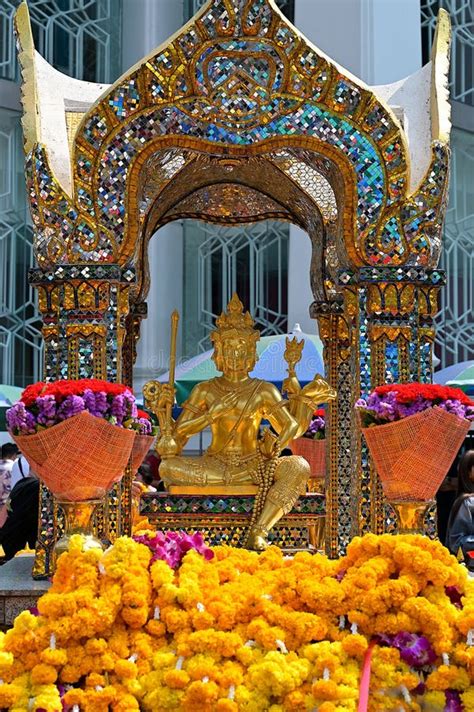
[(224, 519), (125, 99), (240, 89)]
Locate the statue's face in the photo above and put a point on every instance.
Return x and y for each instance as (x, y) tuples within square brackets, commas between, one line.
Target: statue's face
[(238, 355)]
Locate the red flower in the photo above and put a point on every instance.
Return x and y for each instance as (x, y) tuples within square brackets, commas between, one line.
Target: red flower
[(408, 392), (63, 388), (31, 393), (319, 413), (142, 414)]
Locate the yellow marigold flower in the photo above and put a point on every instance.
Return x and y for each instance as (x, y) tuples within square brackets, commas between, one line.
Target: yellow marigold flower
[(75, 696), (436, 699), (161, 574), (325, 690), (126, 703), (328, 707), (47, 698), (174, 619), (355, 645), (6, 663), (176, 679), (200, 695), (226, 705), (56, 657), (448, 677), (467, 699), (43, 674), (8, 695), (126, 669)]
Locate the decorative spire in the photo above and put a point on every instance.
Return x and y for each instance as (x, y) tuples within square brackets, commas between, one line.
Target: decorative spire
[(236, 320)]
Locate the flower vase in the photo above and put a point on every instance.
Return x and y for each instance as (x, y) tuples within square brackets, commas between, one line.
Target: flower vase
[(77, 520), (410, 515)]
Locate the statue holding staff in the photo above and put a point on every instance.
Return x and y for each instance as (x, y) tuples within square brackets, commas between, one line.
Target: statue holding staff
[(233, 405)]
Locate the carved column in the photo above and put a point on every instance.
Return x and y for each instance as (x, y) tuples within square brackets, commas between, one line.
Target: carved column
[(394, 343), (336, 329), (84, 309)]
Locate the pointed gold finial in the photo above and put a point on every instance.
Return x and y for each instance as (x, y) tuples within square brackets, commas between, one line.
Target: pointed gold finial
[(29, 95), (235, 320), (440, 54)]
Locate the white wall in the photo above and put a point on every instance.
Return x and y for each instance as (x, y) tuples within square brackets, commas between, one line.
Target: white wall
[(146, 25), (166, 294), (300, 295), (378, 41)]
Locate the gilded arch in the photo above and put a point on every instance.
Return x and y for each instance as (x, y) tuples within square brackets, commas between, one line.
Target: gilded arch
[(238, 97)]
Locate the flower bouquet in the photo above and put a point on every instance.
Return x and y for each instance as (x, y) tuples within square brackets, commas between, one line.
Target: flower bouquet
[(78, 437), (413, 432), (312, 446)]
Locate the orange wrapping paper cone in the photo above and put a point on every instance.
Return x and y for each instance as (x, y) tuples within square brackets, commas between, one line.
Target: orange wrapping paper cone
[(140, 448), (79, 458), (413, 455), (314, 452)]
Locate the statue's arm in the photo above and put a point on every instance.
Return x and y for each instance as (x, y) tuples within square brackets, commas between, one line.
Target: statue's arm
[(304, 402), (194, 417), (277, 412)]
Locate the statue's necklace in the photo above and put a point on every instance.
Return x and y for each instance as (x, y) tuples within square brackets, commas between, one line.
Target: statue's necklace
[(228, 387)]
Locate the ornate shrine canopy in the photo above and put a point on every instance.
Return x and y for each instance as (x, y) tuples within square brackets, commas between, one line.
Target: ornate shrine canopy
[(237, 118)]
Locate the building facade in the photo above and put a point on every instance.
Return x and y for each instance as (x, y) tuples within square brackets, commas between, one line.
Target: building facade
[(196, 266)]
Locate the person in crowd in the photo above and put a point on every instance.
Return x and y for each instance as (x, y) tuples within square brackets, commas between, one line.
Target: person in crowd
[(145, 476), (9, 455), (20, 525), (153, 460), (21, 469), (460, 533), (446, 496)]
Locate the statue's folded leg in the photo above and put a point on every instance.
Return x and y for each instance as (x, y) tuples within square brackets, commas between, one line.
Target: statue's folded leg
[(183, 471), (291, 475)]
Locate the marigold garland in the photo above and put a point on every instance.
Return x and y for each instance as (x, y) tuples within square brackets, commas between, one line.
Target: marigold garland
[(119, 630)]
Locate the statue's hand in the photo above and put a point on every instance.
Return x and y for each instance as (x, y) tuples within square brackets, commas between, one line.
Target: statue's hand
[(319, 390), (158, 395), (269, 444), (223, 406), (291, 386), (167, 446), (166, 395)]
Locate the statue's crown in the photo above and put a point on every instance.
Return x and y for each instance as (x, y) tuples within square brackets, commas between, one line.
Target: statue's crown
[(234, 319)]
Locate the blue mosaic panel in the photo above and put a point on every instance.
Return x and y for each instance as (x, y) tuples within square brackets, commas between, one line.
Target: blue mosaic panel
[(125, 99), (229, 505), (365, 388), (308, 119), (392, 370), (86, 360)]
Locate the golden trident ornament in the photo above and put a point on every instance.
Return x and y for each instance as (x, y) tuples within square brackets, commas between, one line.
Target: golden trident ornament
[(292, 355), (153, 390)]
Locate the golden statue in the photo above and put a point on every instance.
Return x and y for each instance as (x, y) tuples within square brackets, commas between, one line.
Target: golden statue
[(233, 406)]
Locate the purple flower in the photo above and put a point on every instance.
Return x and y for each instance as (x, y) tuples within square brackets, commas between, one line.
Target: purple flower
[(71, 406), (118, 408), (414, 649), (420, 689), (16, 417), (144, 426), (384, 408), (46, 410), (453, 701), (172, 546), (101, 403)]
